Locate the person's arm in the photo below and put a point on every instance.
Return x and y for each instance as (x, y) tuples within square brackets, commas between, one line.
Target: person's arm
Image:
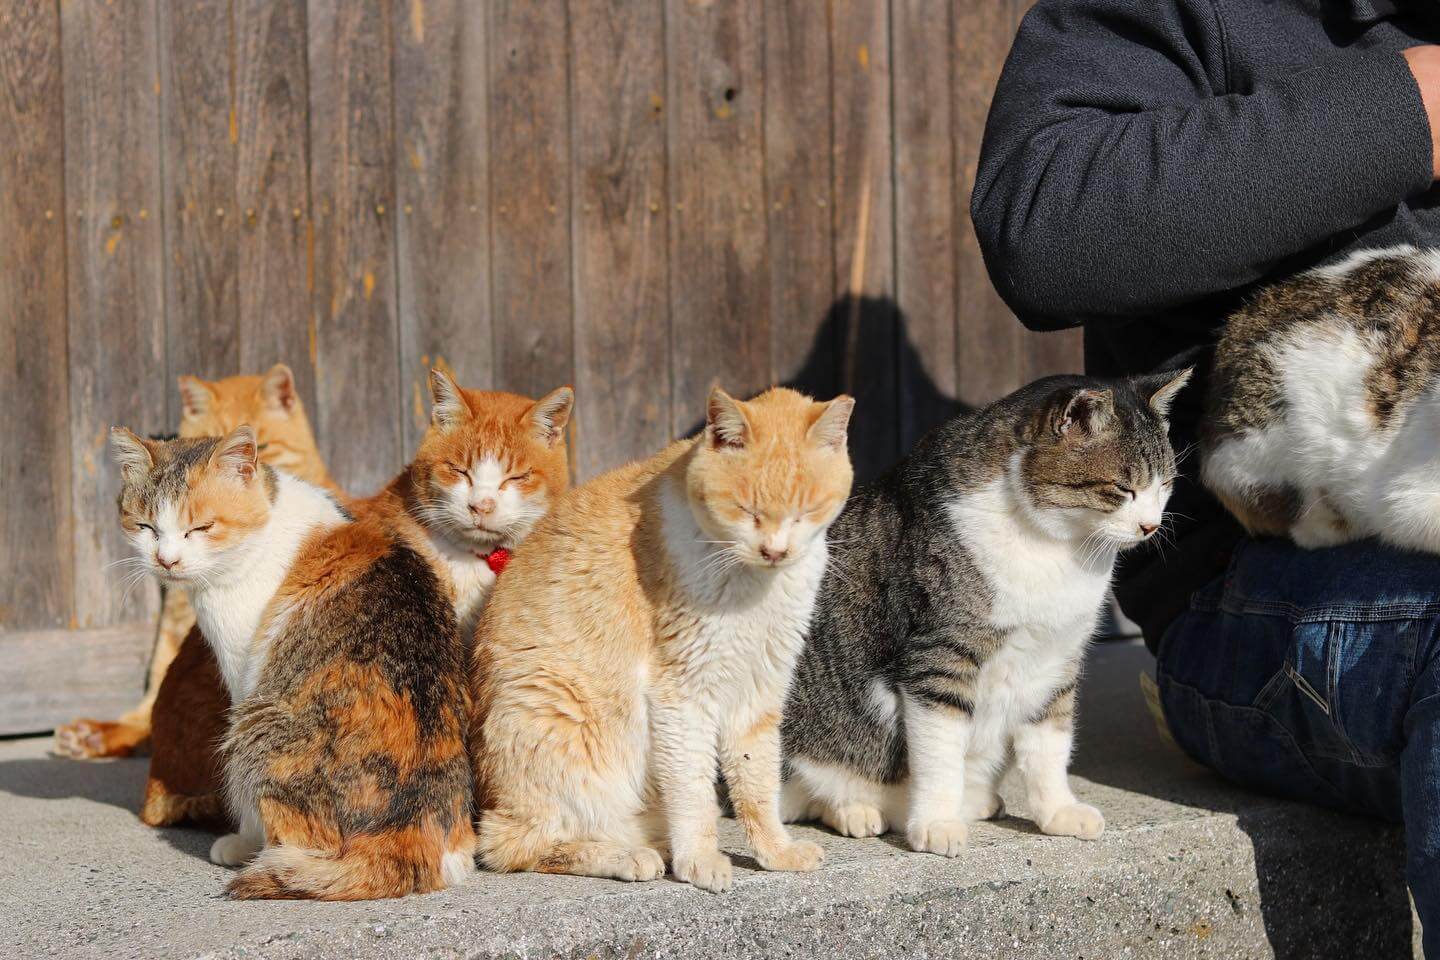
[(1119, 177)]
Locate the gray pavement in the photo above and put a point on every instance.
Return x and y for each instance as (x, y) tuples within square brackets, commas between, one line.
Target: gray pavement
[(1188, 867)]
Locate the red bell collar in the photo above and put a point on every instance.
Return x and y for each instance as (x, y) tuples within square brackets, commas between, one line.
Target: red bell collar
[(496, 559)]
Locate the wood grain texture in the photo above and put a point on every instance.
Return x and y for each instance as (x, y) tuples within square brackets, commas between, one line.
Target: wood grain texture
[(442, 189), (36, 572), (865, 227), (531, 306), (925, 234), (43, 686), (272, 189), (352, 180), (804, 334), (198, 133), (719, 270), (622, 308), (116, 313), (990, 360)]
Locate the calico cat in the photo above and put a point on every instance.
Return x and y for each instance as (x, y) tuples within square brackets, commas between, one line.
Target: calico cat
[(963, 587), (335, 632), (271, 404), (650, 625), (1322, 409)]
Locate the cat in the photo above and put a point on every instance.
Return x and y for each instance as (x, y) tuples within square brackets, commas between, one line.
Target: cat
[(963, 587), (1323, 407), (652, 622), (335, 632), (271, 404)]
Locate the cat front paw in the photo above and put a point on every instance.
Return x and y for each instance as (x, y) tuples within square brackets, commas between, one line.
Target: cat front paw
[(708, 871), (856, 820), (640, 865), (95, 740), (798, 856), (1076, 820), (945, 837), (233, 850)]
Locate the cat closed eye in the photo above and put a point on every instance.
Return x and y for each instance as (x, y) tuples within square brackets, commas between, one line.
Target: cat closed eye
[(1122, 490), (518, 478), (145, 526), (202, 528)]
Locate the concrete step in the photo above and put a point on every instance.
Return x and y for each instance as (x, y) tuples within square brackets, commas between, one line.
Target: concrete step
[(1188, 867)]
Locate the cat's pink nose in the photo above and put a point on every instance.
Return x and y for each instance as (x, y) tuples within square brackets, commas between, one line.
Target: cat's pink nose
[(773, 554), (167, 564), (1148, 528), (485, 507)]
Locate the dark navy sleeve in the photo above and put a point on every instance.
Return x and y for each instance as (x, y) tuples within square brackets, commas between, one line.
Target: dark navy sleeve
[(1120, 174)]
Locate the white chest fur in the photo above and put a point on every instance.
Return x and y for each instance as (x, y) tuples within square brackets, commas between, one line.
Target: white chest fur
[(229, 610), (743, 627), (471, 580)]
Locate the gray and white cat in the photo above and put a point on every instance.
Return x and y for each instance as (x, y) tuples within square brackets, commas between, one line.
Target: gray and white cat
[(1323, 407), (963, 588)]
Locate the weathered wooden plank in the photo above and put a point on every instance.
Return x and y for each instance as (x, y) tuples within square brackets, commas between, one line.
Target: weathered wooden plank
[(442, 177), (115, 280), (804, 329), (352, 182), (622, 308), (864, 226), (990, 359), (198, 129), (924, 214), (44, 686), (36, 574), (719, 270), (530, 196), (272, 191)]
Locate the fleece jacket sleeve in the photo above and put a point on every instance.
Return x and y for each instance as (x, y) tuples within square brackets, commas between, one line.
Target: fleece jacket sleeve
[(1120, 174)]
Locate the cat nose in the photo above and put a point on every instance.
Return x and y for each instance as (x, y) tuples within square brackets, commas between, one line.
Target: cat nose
[(1148, 528), (774, 554), (485, 507), (167, 564)]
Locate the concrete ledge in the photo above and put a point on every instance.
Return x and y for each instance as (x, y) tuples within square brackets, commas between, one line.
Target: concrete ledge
[(1189, 867)]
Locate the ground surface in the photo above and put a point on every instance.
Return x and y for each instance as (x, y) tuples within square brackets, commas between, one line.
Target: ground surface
[(1189, 867)]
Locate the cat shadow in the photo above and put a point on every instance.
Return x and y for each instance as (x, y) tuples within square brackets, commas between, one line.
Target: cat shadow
[(1119, 745), (116, 783)]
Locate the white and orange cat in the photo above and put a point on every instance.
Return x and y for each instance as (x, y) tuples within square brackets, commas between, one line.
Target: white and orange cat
[(648, 630)]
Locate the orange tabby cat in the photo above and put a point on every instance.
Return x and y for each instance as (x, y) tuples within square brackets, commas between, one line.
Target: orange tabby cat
[(650, 627), (271, 404)]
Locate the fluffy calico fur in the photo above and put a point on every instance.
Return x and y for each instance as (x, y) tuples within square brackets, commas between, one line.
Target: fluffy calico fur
[(650, 625), (963, 587), (1324, 404), (272, 406)]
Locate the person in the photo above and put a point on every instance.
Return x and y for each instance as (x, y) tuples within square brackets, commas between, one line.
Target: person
[(1145, 166)]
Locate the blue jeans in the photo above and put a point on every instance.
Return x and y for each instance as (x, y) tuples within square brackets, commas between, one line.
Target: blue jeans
[(1315, 675)]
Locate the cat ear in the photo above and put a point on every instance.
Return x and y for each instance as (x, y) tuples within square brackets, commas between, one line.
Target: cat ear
[(447, 404), (551, 413), (278, 388), (726, 426), (1159, 389), (1085, 411), (829, 429), (131, 453), (196, 397), (238, 454)]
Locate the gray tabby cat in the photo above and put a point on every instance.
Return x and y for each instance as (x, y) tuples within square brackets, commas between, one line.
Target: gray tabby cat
[(963, 587), (1322, 413)]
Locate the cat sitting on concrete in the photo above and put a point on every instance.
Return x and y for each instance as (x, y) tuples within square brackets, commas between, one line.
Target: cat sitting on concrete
[(962, 589)]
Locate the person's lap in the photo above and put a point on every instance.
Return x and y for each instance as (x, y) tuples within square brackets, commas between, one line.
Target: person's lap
[(1312, 675)]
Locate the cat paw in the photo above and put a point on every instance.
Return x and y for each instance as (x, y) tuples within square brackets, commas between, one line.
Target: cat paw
[(798, 856), (856, 820), (84, 740), (1076, 820), (990, 807), (708, 871), (945, 837), (639, 865), (233, 849)]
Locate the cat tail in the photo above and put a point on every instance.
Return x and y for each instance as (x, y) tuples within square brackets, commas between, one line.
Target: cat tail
[(373, 867)]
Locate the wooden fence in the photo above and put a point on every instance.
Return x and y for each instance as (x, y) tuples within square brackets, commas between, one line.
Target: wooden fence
[(640, 198)]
